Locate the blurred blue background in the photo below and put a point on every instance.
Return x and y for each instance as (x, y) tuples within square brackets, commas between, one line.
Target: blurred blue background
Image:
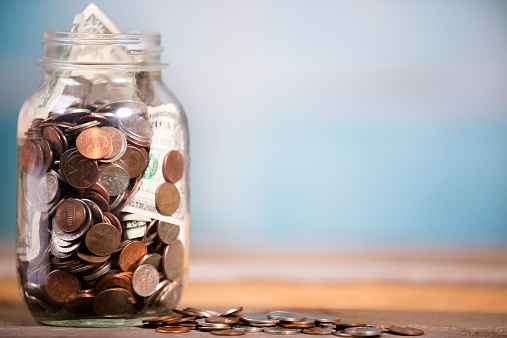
[(314, 123)]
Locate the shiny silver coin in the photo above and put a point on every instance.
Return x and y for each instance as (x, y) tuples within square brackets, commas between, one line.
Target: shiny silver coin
[(258, 318), (114, 178), (49, 188), (203, 322), (281, 330), (321, 318), (286, 316), (342, 334), (363, 331), (230, 312), (249, 328)]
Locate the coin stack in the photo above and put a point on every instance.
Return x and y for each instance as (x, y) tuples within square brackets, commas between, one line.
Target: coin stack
[(230, 323), (81, 165)]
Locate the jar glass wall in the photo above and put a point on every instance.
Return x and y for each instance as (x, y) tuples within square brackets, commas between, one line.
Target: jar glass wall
[(102, 184)]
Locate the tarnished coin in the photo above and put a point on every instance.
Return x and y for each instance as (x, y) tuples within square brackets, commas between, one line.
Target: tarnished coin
[(119, 144), (167, 232), (131, 254), (114, 178), (48, 154), (228, 332), (97, 199), (145, 280), (54, 137), (94, 143), (49, 188), (29, 156), (102, 239), (260, 318), (70, 215), (321, 318), (363, 331), (60, 285), (121, 280), (285, 316), (173, 166), (172, 329), (136, 160), (173, 260), (319, 331), (406, 331), (80, 172), (91, 258), (346, 323), (96, 212), (222, 320), (153, 259), (167, 199), (113, 301), (80, 303)]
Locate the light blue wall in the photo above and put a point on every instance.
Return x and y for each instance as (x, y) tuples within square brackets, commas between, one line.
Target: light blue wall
[(331, 122)]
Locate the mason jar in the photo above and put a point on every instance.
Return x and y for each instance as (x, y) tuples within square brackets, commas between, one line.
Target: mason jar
[(102, 234)]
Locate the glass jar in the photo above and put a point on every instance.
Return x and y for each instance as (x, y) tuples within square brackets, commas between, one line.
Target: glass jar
[(103, 219)]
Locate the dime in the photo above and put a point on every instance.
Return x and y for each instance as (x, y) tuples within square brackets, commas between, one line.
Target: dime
[(172, 329), (79, 303), (136, 160), (70, 215), (167, 232), (80, 172), (363, 331), (406, 331), (60, 285), (172, 261), (222, 320), (113, 301), (228, 332), (167, 199), (102, 239), (145, 280), (280, 330), (321, 318), (131, 254), (285, 316), (94, 143), (249, 328), (173, 166), (49, 188), (319, 331), (114, 178)]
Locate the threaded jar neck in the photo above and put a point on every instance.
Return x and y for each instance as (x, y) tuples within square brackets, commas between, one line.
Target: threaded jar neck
[(125, 51)]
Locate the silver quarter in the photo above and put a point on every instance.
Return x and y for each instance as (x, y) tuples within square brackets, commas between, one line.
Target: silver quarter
[(363, 331)]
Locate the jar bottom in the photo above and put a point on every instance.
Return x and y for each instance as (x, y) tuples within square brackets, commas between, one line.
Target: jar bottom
[(95, 322)]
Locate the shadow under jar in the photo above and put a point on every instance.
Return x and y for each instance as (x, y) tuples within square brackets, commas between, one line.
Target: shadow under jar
[(102, 231)]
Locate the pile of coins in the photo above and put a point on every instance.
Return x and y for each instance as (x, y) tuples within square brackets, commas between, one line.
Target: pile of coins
[(81, 165), (231, 323)]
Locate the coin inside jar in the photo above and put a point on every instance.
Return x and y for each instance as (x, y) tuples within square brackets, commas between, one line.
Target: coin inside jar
[(136, 160), (113, 301), (131, 254), (145, 280), (114, 178), (102, 239), (119, 144), (60, 285), (167, 232), (94, 143), (70, 215), (172, 261), (80, 172), (167, 199)]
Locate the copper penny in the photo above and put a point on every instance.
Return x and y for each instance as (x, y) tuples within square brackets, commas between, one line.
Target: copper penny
[(97, 198), (114, 281), (384, 327), (160, 319), (136, 160), (91, 258), (80, 303), (119, 142), (346, 323), (406, 331), (168, 232), (173, 166), (228, 332), (29, 157), (172, 329), (60, 285), (94, 143), (52, 135), (48, 154), (173, 260), (222, 320), (153, 259), (102, 239), (145, 280), (167, 199), (98, 188), (113, 301), (131, 254), (81, 172), (70, 215), (114, 221)]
